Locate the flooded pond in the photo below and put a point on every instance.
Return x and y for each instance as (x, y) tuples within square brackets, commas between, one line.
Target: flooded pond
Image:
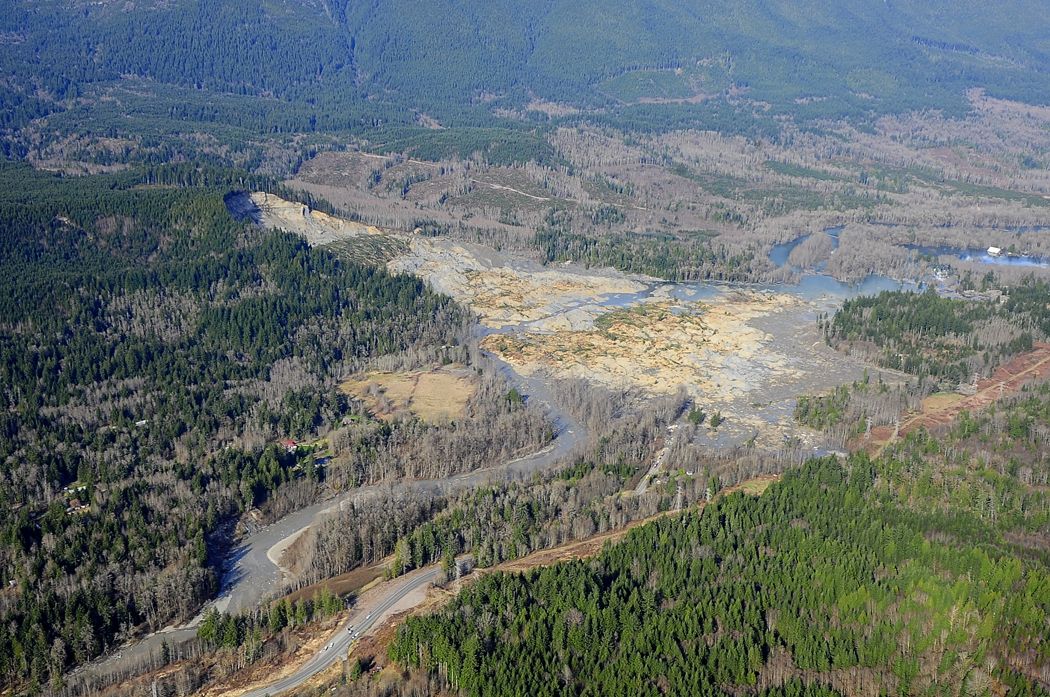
[(982, 256), (810, 287), (780, 253)]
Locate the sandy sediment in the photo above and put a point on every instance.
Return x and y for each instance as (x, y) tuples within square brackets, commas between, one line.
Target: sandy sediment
[(507, 293), (710, 347), (315, 227)]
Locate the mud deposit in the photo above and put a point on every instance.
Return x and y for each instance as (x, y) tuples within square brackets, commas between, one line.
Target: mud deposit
[(510, 293), (746, 352)]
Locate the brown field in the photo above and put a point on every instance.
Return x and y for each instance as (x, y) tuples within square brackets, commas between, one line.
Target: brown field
[(351, 582), (757, 486), (941, 401), (433, 396)]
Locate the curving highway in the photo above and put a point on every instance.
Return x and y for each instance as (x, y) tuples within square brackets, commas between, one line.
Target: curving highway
[(251, 575), (369, 612)]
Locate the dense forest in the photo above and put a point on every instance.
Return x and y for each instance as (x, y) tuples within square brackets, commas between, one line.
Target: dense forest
[(690, 257), (305, 67), (944, 340), (902, 56), (153, 349), (829, 578)]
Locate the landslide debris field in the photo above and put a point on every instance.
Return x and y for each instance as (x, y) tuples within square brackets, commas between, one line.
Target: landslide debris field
[(508, 293), (744, 352), (359, 241), (658, 345)]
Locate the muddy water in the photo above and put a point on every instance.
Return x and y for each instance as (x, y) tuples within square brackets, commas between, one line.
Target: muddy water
[(811, 288)]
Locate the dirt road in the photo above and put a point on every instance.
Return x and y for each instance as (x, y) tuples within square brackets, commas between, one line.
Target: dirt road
[(386, 599), (1006, 381)]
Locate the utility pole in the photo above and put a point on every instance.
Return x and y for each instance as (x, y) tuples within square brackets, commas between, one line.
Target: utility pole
[(457, 585)]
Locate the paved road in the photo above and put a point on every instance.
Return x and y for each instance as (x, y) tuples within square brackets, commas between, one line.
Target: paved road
[(251, 576), (366, 616)]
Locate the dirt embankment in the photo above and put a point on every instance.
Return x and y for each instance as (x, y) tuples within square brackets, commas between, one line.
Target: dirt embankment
[(315, 227), (941, 411)]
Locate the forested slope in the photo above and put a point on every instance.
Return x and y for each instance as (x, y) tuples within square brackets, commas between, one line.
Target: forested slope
[(333, 63), (150, 348), (945, 340), (827, 578)]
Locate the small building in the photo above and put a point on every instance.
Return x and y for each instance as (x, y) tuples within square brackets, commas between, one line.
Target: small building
[(77, 506), (995, 252), (290, 445)]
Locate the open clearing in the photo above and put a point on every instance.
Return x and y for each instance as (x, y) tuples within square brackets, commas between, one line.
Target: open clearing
[(941, 401), (433, 396), (350, 583), (942, 410)]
